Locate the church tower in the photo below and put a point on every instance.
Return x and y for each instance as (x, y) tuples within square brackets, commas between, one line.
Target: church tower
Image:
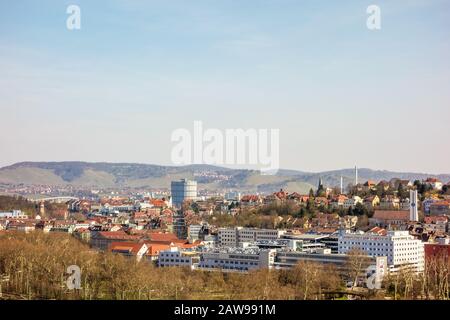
[(413, 210)]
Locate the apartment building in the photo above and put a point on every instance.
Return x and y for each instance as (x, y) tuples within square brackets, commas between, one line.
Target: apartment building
[(401, 249), (234, 237)]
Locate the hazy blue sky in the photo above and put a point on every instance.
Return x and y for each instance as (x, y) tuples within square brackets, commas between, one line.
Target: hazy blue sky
[(339, 93)]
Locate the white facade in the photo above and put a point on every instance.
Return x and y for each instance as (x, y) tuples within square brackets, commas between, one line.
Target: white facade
[(15, 214), (176, 258), (233, 237), (400, 248), (437, 185), (233, 259), (352, 202), (413, 207), (194, 231)]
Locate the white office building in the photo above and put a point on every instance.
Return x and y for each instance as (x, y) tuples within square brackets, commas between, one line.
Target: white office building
[(401, 249), (14, 214), (237, 259), (174, 257), (194, 231), (233, 237)]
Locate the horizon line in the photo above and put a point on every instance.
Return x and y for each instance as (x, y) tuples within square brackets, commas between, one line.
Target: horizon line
[(221, 166)]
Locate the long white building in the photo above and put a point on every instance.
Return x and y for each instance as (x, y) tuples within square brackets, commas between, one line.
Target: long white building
[(237, 259), (401, 249), (15, 214), (234, 237), (174, 257)]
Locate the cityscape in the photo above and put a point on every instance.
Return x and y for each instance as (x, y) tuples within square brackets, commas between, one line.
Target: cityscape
[(224, 158), (367, 240)]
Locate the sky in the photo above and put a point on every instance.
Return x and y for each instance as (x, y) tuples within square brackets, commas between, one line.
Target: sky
[(116, 89)]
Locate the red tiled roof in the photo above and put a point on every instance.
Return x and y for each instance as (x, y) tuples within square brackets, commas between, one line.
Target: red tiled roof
[(250, 198), (117, 235), (162, 237), (434, 219), (158, 202), (391, 215), (154, 249), (131, 247), (378, 230)]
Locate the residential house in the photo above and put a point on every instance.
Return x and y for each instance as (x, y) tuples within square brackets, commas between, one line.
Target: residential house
[(338, 202), (383, 185), (371, 202), (352, 202), (436, 224), (390, 202), (251, 200), (435, 183)]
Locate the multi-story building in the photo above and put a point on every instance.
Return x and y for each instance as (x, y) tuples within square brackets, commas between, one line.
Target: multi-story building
[(175, 257), (401, 249), (194, 231), (439, 208), (14, 214), (179, 225), (183, 190), (237, 259), (436, 224), (103, 239), (233, 237), (198, 231), (289, 259), (426, 204)]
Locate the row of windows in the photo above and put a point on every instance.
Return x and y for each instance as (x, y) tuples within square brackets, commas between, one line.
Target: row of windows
[(225, 267), (235, 262), (174, 260)]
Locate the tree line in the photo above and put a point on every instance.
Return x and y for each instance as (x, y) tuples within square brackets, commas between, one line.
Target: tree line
[(33, 266)]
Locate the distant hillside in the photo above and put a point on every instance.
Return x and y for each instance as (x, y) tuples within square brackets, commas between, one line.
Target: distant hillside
[(133, 175)]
